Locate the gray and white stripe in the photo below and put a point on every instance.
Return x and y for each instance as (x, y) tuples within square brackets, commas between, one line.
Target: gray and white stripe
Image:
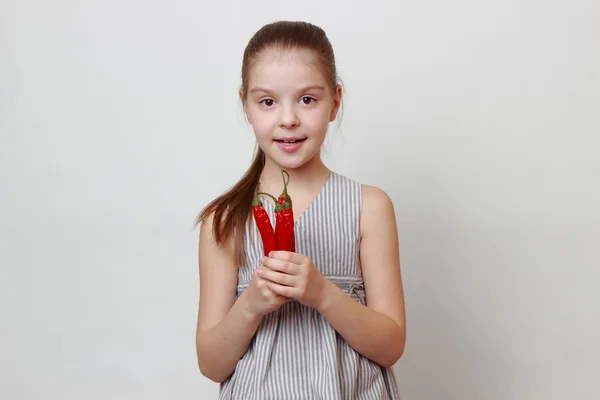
[(295, 353)]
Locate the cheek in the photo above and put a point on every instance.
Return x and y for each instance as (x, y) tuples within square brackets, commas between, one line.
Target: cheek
[(262, 136), (263, 130), (260, 121), (318, 121), (261, 124)]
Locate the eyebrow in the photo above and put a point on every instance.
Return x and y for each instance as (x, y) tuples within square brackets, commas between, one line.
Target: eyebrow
[(305, 89)]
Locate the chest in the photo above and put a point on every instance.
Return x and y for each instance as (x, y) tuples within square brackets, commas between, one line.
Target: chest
[(327, 232)]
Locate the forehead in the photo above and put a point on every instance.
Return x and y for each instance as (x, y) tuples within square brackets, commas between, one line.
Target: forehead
[(286, 69)]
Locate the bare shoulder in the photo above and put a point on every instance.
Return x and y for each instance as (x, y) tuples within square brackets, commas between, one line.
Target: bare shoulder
[(218, 276), (208, 242), (377, 207), (380, 254), (375, 194)]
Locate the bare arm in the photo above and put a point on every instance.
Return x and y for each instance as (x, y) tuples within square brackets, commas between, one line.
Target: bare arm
[(377, 331), (225, 327)]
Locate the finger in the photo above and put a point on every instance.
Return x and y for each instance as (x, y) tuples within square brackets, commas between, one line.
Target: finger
[(284, 291), (294, 258), (280, 265), (277, 277), (263, 284)]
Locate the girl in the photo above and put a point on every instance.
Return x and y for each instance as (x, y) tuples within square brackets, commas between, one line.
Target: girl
[(326, 321)]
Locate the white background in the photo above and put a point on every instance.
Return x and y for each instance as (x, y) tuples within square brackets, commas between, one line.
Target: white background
[(119, 121)]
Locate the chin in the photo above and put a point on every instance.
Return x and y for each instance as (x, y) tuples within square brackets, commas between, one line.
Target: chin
[(289, 164), (294, 162)]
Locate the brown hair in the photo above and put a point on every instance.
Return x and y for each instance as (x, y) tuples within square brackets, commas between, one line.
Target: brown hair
[(232, 210)]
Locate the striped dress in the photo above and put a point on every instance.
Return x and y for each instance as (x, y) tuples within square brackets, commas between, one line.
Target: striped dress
[(295, 353)]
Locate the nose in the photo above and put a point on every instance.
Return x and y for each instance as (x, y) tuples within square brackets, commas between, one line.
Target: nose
[(288, 118)]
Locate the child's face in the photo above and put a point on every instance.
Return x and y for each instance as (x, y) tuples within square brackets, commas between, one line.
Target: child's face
[(289, 100)]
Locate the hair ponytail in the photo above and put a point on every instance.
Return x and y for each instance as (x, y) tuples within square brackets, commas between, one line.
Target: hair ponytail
[(232, 210)]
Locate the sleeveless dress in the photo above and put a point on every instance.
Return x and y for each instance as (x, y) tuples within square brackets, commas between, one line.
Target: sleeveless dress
[(295, 353)]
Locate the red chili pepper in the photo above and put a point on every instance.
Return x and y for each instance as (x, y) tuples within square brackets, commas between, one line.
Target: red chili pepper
[(264, 225), (284, 217), (284, 228)]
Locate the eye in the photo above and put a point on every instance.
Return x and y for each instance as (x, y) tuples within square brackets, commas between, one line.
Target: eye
[(308, 100), (267, 102)]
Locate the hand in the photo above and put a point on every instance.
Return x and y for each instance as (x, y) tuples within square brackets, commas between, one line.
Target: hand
[(260, 299), (294, 275)]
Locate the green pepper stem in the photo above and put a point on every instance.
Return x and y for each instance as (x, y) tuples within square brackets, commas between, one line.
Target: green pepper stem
[(278, 206), (256, 201), (286, 202), (267, 194), (283, 171), (285, 183)]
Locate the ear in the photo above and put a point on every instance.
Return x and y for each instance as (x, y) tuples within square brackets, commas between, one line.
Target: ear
[(337, 102)]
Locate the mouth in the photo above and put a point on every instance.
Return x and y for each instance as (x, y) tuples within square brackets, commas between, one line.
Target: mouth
[(290, 145), (290, 141)]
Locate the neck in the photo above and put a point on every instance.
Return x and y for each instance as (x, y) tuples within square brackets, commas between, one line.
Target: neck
[(313, 173)]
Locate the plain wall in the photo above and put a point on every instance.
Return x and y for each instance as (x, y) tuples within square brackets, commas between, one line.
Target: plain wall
[(119, 121)]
